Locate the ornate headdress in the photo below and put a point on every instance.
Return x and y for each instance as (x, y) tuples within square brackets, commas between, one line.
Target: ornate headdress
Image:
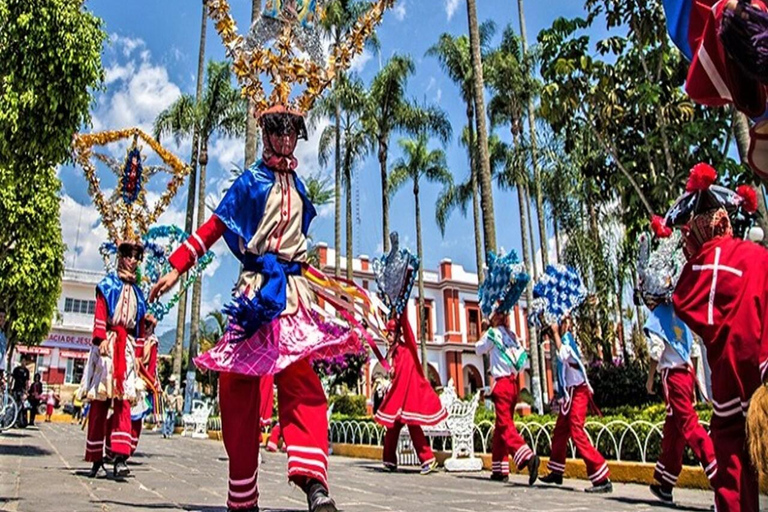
[(394, 274), (505, 280), (556, 294), (126, 214), (658, 271), (702, 196), (291, 25), (159, 242)]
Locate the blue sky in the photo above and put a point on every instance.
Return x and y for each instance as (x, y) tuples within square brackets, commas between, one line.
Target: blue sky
[(151, 59)]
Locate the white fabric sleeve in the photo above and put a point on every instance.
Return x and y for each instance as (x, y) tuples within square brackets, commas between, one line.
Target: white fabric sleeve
[(696, 349), (484, 345), (564, 353), (655, 346)]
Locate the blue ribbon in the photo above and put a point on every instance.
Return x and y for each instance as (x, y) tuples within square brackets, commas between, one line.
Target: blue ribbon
[(248, 315)]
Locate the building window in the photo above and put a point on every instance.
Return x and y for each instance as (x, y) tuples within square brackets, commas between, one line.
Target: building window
[(74, 372), (473, 321), (85, 307)]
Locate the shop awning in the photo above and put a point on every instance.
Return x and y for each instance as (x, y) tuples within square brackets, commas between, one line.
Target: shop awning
[(74, 354), (40, 351)]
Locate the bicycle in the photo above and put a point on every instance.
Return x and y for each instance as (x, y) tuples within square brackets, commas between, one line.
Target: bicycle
[(9, 408)]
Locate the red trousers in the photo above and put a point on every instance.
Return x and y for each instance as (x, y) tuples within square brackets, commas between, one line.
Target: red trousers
[(419, 440), (136, 426), (274, 437), (682, 428), (506, 439), (302, 413), (736, 484), (570, 425), (118, 427)]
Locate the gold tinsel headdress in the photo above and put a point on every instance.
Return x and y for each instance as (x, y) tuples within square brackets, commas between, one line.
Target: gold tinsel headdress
[(292, 25), (126, 214)]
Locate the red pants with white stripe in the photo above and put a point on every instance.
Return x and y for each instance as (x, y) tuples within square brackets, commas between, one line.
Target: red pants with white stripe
[(302, 412), (682, 428), (419, 440), (506, 439), (736, 484), (136, 426), (570, 425), (118, 427)]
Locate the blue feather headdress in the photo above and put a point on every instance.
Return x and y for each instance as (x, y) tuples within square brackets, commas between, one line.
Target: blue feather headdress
[(505, 280), (395, 273), (558, 292)]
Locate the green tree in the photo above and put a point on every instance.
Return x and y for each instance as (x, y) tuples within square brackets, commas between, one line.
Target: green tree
[(453, 54), (221, 110), (49, 63), (356, 142), (483, 167), (388, 110), (420, 163), (340, 17)]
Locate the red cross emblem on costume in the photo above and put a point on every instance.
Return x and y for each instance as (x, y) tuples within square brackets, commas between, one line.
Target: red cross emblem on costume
[(716, 268)]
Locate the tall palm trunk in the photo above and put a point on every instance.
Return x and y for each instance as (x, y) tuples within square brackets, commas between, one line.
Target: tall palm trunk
[(197, 288), (181, 319), (532, 248), (533, 341), (420, 252), (486, 191), (557, 238), (383, 150), (251, 126), (337, 191), (480, 260), (348, 207)]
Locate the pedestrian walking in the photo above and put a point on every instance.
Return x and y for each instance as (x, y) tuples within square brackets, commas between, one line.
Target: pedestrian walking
[(34, 396)]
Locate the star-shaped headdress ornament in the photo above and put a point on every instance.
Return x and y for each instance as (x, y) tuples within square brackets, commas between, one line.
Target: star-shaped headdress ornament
[(289, 27), (556, 294), (394, 274), (505, 280), (127, 214)]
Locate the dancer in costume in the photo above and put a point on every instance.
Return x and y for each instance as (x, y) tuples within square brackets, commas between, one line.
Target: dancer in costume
[(110, 375), (505, 281), (721, 296), (557, 293), (410, 399), (670, 346), (264, 218)]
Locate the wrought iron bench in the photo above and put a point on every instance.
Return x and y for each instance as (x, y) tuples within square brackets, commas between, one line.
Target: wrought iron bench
[(196, 422)]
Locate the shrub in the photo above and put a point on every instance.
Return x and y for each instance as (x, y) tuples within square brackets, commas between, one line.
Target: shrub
[(349, 405), (617, 385)]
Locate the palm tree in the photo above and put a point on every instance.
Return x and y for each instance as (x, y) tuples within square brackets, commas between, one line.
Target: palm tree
[(221, 110), (512, 87), (419, 162), (387, 110), (484, 169), (252, 126), (181, 319), (353, 140), (340, 17), (320, 193), (453, 54)]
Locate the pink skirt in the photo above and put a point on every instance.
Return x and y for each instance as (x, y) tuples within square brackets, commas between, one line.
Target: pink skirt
[(277, 345)]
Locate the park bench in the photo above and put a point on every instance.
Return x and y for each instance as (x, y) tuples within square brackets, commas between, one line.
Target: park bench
[(196, 422), (459, 426)]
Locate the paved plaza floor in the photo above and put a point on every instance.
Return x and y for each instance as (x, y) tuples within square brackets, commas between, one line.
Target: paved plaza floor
[(43, 470)]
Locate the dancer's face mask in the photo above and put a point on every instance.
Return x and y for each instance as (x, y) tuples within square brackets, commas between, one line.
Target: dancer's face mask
[(283, 144), (128, 259), (703, 228)]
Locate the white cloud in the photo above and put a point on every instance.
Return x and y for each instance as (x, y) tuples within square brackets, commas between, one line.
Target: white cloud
[(228, 152), (126, 44), (359, 62), (399, 11), (82, 234), (450, 7), (438, 95)]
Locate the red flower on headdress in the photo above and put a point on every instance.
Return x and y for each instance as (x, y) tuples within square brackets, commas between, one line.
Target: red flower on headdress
[(701, 178), (748, 198), (391, 325), (659, 227)]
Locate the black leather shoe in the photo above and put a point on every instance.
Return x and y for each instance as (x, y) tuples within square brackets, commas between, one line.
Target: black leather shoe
[(533, 469), (318, 499), (660, 492), (601, 488), (120, 468), (499, 477), (249, 509), (552, 478), (95, 467)]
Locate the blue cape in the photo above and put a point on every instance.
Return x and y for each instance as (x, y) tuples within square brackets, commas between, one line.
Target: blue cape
[(110, 287), (569, 340), (678, 14), (242, 207), (664, 323)]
